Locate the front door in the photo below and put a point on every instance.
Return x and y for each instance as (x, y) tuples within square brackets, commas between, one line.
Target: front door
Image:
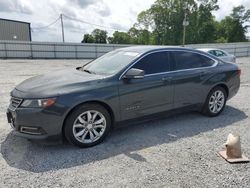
[(151, 94)]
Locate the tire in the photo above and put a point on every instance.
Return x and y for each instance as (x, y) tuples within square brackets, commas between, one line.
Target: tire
[(87, 125), (211, 107)]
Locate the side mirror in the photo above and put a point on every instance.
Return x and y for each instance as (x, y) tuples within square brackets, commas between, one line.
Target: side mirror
[(134, 74)]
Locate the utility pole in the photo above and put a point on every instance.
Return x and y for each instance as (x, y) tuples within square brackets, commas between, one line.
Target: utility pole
[(184, 30), (61, 17), (185, 24)]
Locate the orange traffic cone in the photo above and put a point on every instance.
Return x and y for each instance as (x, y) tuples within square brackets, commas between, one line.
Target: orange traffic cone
[(233, 152)]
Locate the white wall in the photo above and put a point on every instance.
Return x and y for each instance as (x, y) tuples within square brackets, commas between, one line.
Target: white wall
[(43, 50)]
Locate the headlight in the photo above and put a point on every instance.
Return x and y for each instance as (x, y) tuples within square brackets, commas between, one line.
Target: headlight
[(38, 103)]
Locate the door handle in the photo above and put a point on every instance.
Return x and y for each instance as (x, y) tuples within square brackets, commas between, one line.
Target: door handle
[(204, 73), (166, 79)]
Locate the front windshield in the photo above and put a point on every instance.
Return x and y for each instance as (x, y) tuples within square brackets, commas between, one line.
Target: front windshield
[(111, 62)]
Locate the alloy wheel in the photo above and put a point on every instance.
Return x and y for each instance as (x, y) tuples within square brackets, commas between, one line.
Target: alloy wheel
[(89, 126), (216, 102)]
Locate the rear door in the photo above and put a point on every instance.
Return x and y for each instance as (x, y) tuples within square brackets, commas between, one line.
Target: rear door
[(153, 93), (191, 70)]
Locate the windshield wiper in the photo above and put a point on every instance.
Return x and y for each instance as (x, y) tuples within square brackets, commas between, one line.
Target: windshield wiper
[(88, 71)]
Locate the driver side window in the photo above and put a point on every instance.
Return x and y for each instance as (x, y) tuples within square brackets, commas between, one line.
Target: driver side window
[(154, 63)]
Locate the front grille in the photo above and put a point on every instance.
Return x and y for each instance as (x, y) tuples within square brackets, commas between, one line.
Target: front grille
[(15, 102)]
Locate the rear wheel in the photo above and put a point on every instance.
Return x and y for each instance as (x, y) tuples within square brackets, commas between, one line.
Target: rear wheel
[(215, 102), (87, 125)]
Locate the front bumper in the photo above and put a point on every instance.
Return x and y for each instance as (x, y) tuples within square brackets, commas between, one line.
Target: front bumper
[(35, 123)]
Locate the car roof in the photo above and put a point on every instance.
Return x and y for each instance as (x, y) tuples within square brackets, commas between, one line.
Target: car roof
[(147, 49), (144, 49), (208, 49)]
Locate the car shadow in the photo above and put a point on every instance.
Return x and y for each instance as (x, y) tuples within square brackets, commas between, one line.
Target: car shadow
[(22, 154)]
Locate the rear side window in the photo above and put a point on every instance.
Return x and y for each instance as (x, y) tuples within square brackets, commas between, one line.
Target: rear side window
[(219, 53), (154, 63), (189, 60), (212, 52)]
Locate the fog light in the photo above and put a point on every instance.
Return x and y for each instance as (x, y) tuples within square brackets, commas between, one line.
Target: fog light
[(32, 130)]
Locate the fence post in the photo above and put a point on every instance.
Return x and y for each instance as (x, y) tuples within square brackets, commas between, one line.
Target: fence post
[(5, 50), (96, 55), (76, 52), (31, 50), (54, 46), (248, 51)]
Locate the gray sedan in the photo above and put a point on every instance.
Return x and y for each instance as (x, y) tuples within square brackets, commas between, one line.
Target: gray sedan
[(83, 104), (220, 54)]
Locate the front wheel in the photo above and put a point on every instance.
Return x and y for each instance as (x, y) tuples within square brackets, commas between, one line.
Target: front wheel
[(215, 102), (87, 125)]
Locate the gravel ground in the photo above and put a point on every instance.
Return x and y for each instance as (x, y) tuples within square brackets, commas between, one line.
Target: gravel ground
[(176, 151)]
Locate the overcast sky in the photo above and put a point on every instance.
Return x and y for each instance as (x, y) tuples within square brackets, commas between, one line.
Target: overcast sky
[(117, 14)]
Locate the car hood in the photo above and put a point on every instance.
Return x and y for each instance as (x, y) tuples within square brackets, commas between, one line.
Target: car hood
[(56, 83)]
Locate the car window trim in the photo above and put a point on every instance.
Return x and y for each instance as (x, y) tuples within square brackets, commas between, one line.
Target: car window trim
[(173, 71)]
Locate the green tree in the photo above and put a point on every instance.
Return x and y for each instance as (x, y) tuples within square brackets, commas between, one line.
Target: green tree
[(205, 28), (233, 27), (145, 20), (237, 31), (100, 36), (139, 36), (162, 24), (87, 38), (220, 30), (165, 18), (120, 38)]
